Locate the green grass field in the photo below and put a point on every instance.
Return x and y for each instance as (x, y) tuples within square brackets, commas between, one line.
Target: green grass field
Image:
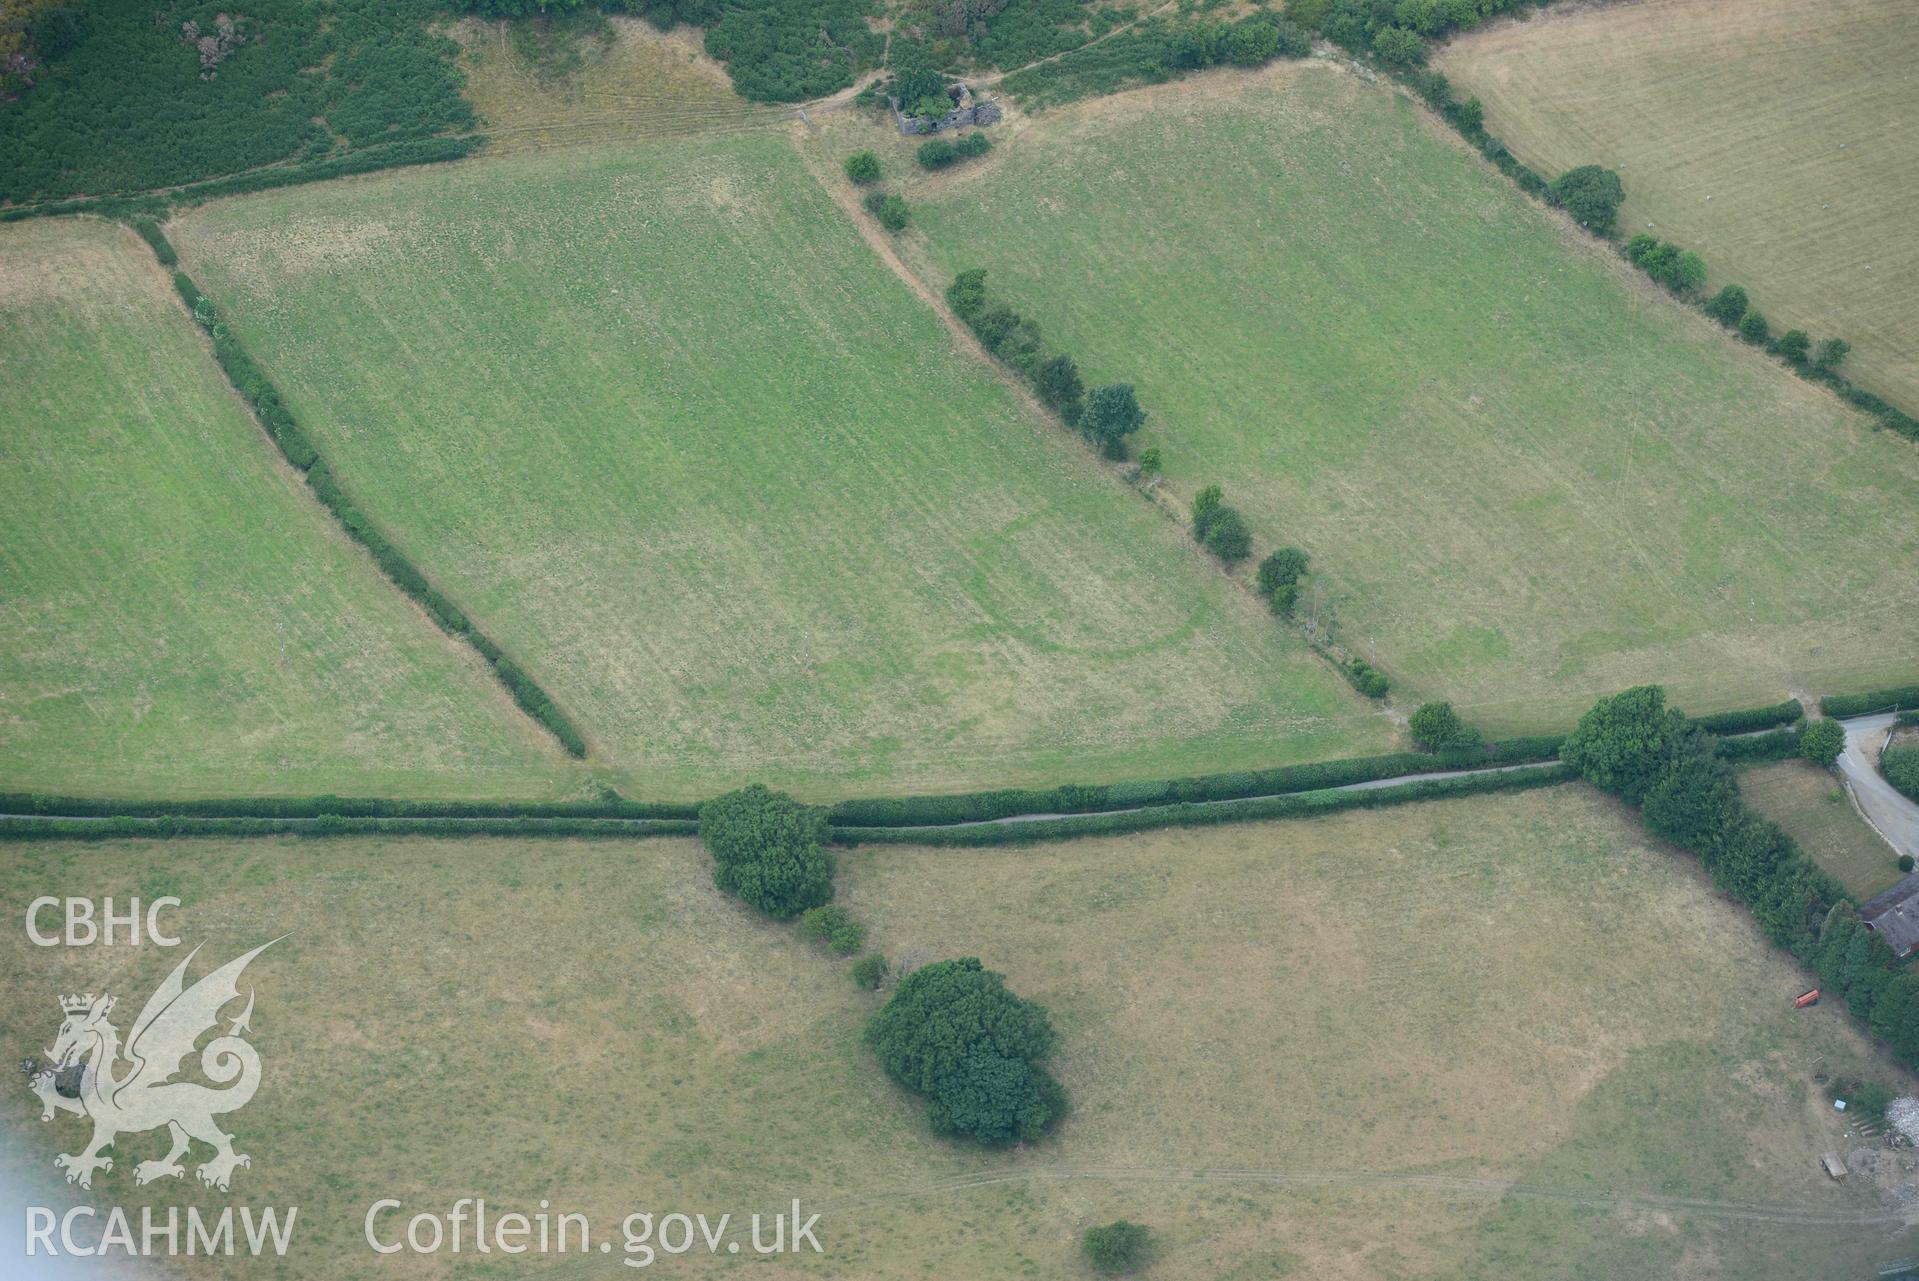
[(1526, 477), (1809, 802), (1770, 135), (1548, 1001), (667, 429), (178, 616)]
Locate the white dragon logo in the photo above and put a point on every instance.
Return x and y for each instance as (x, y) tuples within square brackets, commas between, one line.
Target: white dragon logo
[(144, 1096)]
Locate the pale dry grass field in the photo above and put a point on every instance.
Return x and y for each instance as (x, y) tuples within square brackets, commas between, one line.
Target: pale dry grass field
[(631, 83), (178, 615), (1316, 1049), (1779, 138)]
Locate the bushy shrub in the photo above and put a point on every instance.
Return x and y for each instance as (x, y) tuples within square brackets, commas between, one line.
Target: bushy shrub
[(1117, 1248), (835, 927), (1753, 328), (888, 209), (1821, 741), (870, 971), (1206, 504), (1828, 354), (1227, 536), (937, 153), (1367, 679), (972, 144), (1282, 568), (1905, 862), (1728, 305), (1793, 346), (1591, 194), (863, 167), (1284, 599), (953, 1033), (1437, 728), (1150, 464), (769, 850)]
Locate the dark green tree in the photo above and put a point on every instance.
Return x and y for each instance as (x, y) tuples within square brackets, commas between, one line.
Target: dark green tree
[(1282, 568), (1591, 194), (1728, 305), (863, 167), (768, 849), (953, 1033), (1753, 328), (1398, 47), (1112, 414), (1227, 536), (1058, 383), (1624, 743)]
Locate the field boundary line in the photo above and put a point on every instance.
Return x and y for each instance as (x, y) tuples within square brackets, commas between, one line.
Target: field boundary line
[(261, 398)]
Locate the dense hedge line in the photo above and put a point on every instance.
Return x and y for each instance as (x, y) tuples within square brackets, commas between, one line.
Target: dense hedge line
[(1840, 706), (1157, 50), (1751, 718), (139, 102), (41, 803), (1778, 745), (1082, 798), (1633, 745), (1900, 765), (251, 382), (1291, 805), (153, 205), (15, 827)]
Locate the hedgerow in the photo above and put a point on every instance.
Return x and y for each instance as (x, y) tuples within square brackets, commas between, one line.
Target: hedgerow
[(1775, 745), (252, 384), (1291, 805), (1632, 744), (1900, 765), (1747, 719), (17, 827), (40, 803), (1158, 49), (1840, 706), (1080, 798)]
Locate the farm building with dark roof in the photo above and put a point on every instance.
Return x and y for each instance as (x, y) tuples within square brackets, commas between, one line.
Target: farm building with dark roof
[(1894, 916)]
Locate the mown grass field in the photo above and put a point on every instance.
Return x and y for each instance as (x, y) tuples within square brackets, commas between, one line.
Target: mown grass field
[(1525, 477), (675, 438), (1810, 803), (1514, 989), (1773, 136), (178, 616)]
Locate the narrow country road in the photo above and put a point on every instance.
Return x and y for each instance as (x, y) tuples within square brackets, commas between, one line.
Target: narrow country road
[(1893, 815)]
